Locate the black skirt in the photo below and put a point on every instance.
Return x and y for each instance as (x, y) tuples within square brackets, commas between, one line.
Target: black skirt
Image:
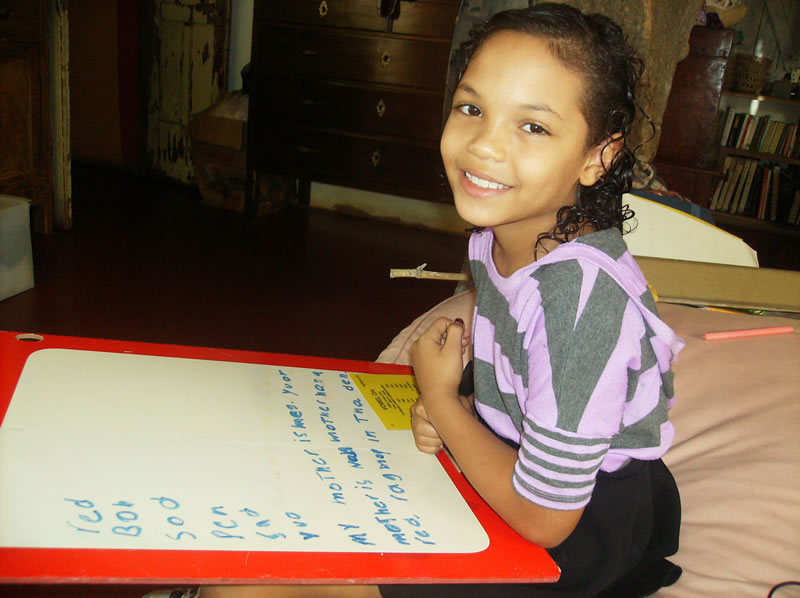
[(617, 550)]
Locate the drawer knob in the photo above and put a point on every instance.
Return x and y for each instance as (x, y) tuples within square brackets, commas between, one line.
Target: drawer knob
[(385, 59), (381, 107), (323, 9), (376, 158)]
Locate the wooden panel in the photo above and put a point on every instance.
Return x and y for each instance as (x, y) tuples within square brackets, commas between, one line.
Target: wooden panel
[(204, 87), (368, 163), (174, 98), (429, 19), (19, 20), (355, 57), (355, 14), (16, 111), (695, 184), (372, 110), (94, 106), (187, 75), (26, 154)]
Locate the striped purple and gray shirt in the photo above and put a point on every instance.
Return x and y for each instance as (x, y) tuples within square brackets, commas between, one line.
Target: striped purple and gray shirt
[(572, 363)]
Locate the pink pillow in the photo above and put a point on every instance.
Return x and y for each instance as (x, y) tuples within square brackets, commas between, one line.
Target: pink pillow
[(457, 306)]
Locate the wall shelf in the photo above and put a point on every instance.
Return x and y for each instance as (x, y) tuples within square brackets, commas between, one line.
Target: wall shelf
[(760, 98)]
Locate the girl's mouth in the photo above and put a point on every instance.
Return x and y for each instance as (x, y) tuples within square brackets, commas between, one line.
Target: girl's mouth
[(484, 183)]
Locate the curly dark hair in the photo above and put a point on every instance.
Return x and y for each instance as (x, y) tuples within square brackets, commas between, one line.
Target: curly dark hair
[(593, 46)]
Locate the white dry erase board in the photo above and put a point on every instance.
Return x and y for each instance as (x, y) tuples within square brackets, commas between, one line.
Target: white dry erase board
[(105, 450), (138, 462)]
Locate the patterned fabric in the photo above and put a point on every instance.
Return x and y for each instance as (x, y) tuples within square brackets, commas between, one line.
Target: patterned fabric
[(572, 363)]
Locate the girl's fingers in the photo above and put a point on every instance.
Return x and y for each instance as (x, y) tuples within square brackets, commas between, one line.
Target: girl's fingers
[(437, 330), (430, 448), (425, 435)]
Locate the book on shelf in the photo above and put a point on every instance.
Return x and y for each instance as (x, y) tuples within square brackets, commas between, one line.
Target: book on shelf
[(751, 206), (787, 149), (773, 204), (759, 133), (727, 120), (736, 128), (748, 118), (786, 192), (736, 175), (776, 137), (761, 127), (762, 198), (715, 199), (726, 183), (794, 209), (767, 138), (736, 194), (751, 133), (743, 197), (773, 193)]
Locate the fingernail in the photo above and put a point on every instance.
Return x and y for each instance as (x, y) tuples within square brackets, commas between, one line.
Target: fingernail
[(459, 321)]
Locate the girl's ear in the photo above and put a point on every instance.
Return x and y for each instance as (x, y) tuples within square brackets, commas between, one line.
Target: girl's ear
[(599, 160)]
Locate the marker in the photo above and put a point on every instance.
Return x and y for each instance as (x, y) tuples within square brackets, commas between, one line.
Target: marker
[(721, 336)]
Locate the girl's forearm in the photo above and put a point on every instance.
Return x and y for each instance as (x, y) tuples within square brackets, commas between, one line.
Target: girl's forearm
[(488, 463)]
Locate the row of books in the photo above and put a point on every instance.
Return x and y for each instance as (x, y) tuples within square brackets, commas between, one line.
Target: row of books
[(758, 189), (760, 134)]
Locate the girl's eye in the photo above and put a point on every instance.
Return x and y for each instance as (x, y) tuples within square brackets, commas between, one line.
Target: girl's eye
[(469, 109), (534, 129)]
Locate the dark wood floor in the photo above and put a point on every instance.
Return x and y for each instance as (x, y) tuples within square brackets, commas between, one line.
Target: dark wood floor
[(147, 261)]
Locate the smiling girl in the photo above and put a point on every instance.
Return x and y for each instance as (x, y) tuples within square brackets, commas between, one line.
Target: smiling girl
[(571, 375), (561, 419)]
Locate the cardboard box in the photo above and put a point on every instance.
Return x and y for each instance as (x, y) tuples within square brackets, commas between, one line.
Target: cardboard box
[(219, 154), (721, 285)]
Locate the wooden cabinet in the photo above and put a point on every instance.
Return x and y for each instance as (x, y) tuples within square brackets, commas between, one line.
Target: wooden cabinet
[(687, 150), (25, 147), (343, 95)]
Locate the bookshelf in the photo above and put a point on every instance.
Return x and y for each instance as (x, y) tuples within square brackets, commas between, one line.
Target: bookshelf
[(759, 158), (758, 194), (766, 110)]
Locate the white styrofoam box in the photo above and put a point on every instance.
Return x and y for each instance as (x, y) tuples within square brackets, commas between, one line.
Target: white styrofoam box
[(662, 231), (16, 256)]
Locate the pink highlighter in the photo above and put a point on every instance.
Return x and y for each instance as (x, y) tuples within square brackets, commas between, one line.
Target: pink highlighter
[(721, 336)]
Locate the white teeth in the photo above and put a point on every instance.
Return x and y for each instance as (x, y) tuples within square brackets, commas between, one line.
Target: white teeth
[(484, 184)]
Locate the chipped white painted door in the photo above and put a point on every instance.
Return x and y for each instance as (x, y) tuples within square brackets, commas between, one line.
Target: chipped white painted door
[(187, 75)]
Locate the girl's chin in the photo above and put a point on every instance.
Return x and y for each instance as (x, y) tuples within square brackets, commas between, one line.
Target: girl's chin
[(473, 214)]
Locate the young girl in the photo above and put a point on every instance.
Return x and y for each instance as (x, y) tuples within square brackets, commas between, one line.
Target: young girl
[(571, 373)]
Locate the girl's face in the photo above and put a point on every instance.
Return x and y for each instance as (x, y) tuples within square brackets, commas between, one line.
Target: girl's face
[(514, 144)]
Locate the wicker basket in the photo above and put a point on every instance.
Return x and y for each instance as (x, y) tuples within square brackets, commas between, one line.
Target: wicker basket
[(751, 73)]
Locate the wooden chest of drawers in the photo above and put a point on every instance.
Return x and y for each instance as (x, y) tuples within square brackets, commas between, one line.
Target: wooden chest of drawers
[(342, 95)]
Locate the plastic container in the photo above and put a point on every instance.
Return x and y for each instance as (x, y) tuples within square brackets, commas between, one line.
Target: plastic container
[(16, 257)]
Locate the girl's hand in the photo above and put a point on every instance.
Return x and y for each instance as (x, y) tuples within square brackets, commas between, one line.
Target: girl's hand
[(425, 435), (436, 358)]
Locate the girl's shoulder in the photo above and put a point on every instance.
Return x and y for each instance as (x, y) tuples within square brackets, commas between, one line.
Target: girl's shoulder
[(604, 251)]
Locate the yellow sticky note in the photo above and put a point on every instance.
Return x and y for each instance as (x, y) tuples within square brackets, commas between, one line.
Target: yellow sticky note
[(390, 396)]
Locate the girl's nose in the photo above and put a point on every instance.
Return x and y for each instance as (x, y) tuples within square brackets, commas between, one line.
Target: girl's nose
[(488, 143)]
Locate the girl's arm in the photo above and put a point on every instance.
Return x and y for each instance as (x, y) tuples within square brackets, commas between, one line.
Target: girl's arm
[(486, 460)]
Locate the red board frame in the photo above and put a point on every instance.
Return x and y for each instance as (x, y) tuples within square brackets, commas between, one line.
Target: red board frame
[(509, 557)]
